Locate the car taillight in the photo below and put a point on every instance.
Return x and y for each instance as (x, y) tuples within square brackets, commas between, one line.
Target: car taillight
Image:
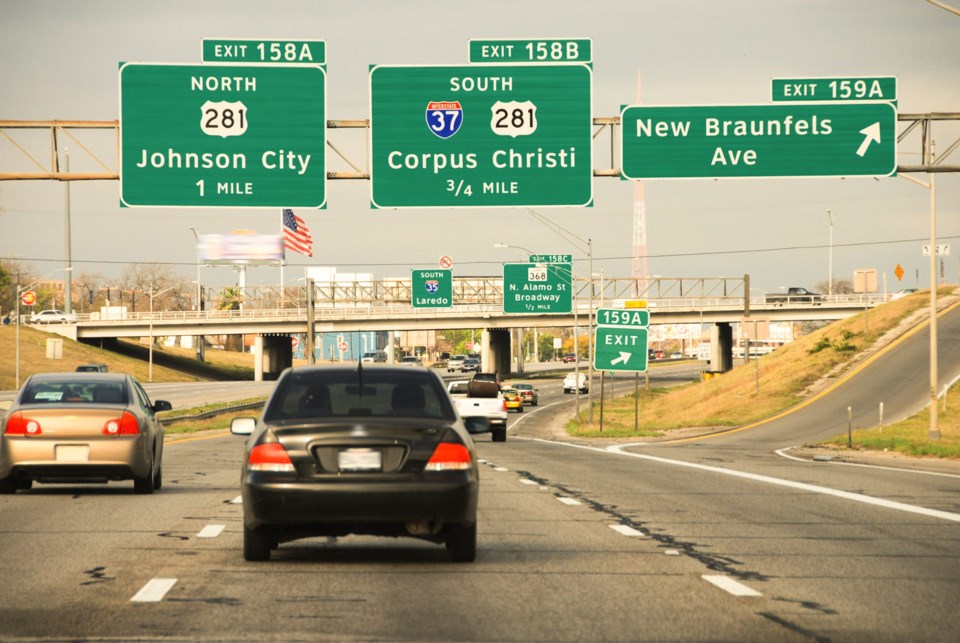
[(126, 424), (449, 456), (270, 457), (19, 425), (504, 404)]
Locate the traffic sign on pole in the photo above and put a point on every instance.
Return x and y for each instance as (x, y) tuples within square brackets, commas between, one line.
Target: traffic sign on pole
[(431, 288), (222, 135), (834, 89), (537, 288), (620, 348), (481, 136), (796, 140)]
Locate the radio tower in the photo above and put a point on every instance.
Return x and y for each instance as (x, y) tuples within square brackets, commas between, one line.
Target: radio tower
[(640, 267)]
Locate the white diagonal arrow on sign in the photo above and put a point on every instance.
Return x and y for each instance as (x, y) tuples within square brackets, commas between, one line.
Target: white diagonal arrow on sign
[(872, 134), (624, 357)]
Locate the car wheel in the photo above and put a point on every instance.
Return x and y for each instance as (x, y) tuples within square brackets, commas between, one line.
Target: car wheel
[(256, 544), (158, 478), (8, 485), (24, 484), (500, 435), (520, 409), (144, 485), (462, 543)]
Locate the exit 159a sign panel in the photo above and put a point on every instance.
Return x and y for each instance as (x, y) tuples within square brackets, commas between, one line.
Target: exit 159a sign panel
[(222, 135), (753, 141), (481, 136)]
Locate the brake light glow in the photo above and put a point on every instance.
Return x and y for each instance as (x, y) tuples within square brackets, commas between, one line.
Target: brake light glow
[(270, 457), (449, 456), (124, 425), (504, 405), (19, 425)]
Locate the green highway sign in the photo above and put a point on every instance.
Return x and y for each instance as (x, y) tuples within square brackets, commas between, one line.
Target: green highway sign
[(431, 288), (559, 50), (636, 317), (795, 140), (551, 258), (287, 52), (620, 348), (481, 136), (537, 288), (222, 135), (876, 88)]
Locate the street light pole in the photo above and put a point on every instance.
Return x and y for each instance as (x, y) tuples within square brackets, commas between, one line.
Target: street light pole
[(198, 350), (152, 295), (20, 291), (830, 259)]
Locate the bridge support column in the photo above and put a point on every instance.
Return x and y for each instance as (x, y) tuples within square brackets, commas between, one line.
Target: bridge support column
[(721, 347), (273, 354), (495, 353)]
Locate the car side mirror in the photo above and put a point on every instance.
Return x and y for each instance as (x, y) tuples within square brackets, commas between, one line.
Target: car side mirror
[(243, 426), (161, 405)]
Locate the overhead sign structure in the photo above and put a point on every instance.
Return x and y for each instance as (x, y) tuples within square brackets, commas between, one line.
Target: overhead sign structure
[(877, 88), (621, 339), (753, 141), (287, 52), (222, 135), (554, 50), (481, 136), (537, 288), (431, 288)]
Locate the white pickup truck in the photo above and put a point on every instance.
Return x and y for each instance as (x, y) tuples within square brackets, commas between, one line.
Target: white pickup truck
[(494, 409)]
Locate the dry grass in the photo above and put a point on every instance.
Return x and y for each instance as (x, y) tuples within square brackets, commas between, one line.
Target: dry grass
[(785, 377)]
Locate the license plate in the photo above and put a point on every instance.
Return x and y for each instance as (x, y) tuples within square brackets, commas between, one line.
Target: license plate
[(73, 453), (359, 460)]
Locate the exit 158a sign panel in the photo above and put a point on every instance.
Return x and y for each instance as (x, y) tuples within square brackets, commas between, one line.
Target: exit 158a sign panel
[(753, 141), (481, 136), (222, 135)]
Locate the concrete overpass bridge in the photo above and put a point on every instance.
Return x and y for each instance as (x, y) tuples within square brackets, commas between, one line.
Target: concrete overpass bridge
[(272, 315)]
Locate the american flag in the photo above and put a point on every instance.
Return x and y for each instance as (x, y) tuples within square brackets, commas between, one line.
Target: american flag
[(296, 234)]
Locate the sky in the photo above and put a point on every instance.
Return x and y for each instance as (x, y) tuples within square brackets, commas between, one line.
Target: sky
[(59, 60)]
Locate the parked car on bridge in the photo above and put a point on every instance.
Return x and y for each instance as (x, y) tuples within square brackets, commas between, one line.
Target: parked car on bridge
[(82, 427), (342, 450)]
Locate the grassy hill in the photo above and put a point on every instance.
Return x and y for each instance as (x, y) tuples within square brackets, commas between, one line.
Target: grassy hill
[(759, 389)]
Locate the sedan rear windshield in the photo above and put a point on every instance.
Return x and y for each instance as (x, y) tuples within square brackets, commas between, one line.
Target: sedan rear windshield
[(74, 392), (341, 394)]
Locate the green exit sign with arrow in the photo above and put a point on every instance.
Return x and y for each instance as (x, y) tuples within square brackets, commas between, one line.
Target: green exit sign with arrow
[(754, 141)]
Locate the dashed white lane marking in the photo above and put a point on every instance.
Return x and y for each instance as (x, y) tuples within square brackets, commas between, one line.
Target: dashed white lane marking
[(528, 481), (568, 501), (731, 586), (626, 530), (671, 552), (211, 531), (501, 469), (237, 501), (154, 591)]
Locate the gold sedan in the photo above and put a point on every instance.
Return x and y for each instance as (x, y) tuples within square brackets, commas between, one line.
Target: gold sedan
[(81, 427)]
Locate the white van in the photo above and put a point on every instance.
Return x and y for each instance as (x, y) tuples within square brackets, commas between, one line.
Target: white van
[(571, 383), (374, 356)]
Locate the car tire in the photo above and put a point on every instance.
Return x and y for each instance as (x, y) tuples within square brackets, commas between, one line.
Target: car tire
[(158, 478), (520, 408), (8, 485), (461, 542), (24, 484), (500, 435), (144, 485), (256, 544)]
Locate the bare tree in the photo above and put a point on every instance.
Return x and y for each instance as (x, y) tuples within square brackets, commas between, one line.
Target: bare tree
[(840, 286), (144, 279)]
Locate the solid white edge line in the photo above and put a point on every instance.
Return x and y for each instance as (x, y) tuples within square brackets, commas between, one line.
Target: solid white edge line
[(782, 453), (802, 486), (154, 591), (211, 531), (731, 586)]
